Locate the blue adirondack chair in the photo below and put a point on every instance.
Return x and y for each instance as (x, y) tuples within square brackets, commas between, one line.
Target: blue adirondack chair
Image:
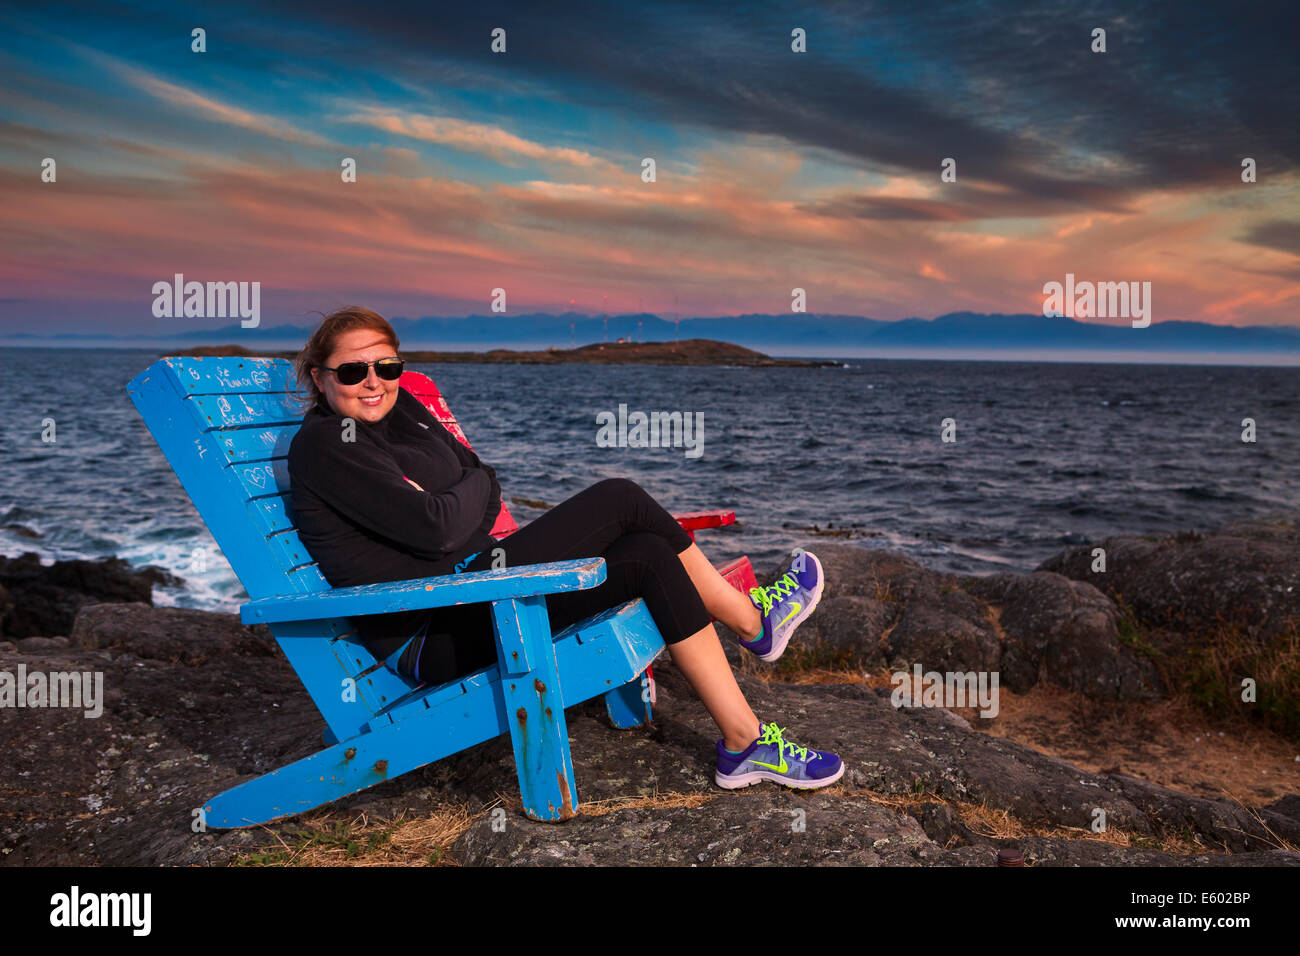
[(225, 425)]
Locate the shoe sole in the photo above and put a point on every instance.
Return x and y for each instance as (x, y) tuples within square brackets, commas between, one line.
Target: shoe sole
[(758, 776), (779, 648)]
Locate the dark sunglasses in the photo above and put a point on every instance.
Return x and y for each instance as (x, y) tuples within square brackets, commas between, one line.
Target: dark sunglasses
[(354, 373)]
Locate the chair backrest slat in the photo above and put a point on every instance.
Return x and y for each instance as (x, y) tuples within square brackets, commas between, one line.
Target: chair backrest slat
[(274, 513), (262, 478), (241, 410), (257, 444)]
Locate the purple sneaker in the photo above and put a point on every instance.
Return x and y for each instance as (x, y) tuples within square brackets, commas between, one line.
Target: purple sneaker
[(772, 757), (785, 603)]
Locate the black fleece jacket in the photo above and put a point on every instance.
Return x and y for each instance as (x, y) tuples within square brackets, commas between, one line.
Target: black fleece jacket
[(364, 523)]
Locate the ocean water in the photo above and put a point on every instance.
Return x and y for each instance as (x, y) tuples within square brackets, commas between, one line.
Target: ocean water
[(1045, 455)]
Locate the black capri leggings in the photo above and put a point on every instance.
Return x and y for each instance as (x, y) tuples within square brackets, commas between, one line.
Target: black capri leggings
[(615, 519)]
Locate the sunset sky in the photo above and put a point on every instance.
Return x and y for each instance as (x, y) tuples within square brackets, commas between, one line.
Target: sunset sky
[(522, 170)]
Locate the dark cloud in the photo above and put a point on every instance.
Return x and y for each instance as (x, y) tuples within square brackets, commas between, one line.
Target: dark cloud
[(885, 208), (1012, 92), (1280, 234), (969, 203)]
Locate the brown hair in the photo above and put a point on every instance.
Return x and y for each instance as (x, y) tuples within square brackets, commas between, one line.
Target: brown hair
[(321, 344)]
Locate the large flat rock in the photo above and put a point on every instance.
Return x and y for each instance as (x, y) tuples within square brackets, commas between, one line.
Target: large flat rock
[(196, 703)]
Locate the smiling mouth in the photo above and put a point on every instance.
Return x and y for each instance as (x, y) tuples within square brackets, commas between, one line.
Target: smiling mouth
[(372, 400)]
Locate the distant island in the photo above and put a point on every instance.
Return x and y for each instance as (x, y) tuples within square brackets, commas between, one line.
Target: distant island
[(822, 336), (685, 352)]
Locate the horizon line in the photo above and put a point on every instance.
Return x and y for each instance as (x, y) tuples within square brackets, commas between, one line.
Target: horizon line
[(1010, 356)]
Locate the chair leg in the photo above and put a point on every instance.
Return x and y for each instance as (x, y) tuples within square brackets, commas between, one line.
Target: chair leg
[(534, 709), (357, 763), (629, 706)]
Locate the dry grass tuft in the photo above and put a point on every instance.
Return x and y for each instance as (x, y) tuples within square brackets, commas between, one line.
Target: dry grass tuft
[(328, 839)]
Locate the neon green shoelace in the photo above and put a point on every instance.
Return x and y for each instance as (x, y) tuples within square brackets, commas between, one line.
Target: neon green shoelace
[(779, 590), (772, 735)]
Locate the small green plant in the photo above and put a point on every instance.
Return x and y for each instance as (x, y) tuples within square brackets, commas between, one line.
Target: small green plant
[(271, 858), (1207, 667), (1203, 681), (1215, 666), (338, 837), (1131, 632)]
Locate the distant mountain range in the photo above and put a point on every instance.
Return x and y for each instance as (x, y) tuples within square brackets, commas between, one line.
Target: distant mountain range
[(796, 334)]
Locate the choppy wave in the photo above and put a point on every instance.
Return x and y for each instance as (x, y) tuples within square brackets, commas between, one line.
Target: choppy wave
[(1041, 459)]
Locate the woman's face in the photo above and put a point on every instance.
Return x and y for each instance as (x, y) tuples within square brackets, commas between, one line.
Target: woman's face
[(372, 398)]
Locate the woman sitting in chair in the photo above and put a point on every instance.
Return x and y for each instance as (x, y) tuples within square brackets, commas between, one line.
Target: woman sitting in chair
[(394, 495)]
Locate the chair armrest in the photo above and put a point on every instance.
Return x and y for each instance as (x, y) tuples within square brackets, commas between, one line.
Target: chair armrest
[(693, 520), (439, 591)]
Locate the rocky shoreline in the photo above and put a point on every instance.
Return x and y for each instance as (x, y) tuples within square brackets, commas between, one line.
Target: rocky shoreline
[(194, 703)]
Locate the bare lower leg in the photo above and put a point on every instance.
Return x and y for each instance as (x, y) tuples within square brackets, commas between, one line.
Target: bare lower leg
[(723, 601), (700, 658)]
